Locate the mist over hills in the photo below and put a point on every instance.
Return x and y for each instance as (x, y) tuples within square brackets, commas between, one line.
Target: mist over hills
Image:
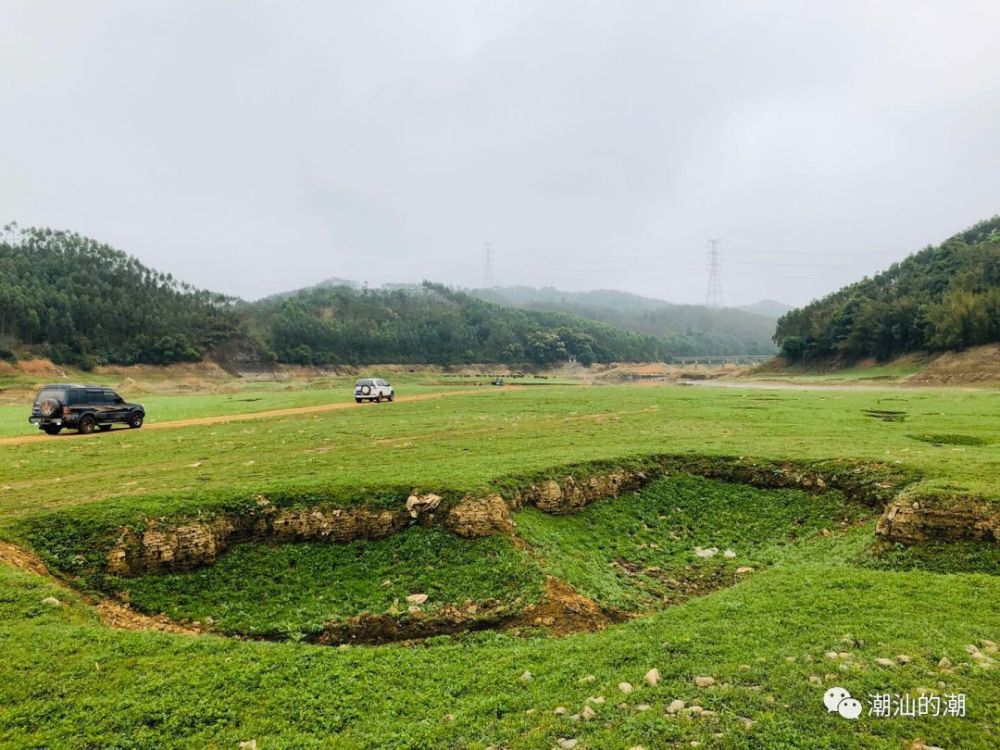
[(685, 330)]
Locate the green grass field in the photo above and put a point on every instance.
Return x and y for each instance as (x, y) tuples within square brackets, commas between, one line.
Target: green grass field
[(67, 680)]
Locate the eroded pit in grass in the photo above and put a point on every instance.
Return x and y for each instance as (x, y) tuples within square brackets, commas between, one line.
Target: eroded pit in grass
[(680, 536)]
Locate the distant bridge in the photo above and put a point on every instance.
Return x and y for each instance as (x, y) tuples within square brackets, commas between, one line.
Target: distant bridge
[(723, 359)]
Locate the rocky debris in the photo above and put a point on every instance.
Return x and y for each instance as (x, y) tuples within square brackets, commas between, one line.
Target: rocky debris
[(945, 663), (587, 713), (949, 517), (51, 601), (417, 504), (652, 677), (560, 711), (729, 554), (569, 493), (643, 707), (597, 700), (884, 662), (704, 680), (527, 677), (709, 552), (248, 745), (567, 743), (480, 516), (160, 547), (743, 569), (589, 679), (416, 598), (746, 722), (903, 658), (625, 687), (675, 706)]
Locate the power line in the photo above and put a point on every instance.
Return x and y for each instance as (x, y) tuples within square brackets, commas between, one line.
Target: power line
[(714, 296), (488, 280)]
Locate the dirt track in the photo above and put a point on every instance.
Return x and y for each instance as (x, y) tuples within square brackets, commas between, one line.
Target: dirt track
[(243, 417)]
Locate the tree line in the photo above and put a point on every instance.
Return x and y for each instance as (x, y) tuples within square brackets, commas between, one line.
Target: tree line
[(941, 298), (83, 303)]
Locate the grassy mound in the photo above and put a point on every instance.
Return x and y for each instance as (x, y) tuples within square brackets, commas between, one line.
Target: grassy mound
[(640, 551), (291, 590), (935, 557)]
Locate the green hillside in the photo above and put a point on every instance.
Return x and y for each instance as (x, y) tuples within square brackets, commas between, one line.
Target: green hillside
[(941, 298), (683, 330), (434, 324), (80, 302)]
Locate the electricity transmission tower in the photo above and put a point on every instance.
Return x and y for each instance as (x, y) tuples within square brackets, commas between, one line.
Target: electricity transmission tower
[(714, 296), (488, 280)]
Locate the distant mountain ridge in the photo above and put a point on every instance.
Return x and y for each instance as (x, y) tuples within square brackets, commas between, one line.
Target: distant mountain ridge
[(685, 330)]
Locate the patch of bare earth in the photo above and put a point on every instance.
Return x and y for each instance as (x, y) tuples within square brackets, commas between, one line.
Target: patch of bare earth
[(114, 614)]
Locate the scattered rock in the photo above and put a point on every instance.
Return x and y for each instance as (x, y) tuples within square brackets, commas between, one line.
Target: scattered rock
[(248, 745), (643, 707), (729, 553), (567, 743), (675, 706), (625, 687), (815, 679), (51, 601), (747, 722), (417, 504), (903, 659), (696, 710), (449, 717), (703, 680), (883, 662), (706, 552), (560, 711), (831, 654), (413, 608), (589, 679), (652, 677), (587, 713), (743, 569), (527, 677), (598, 700), (416, 598), (945, 663)]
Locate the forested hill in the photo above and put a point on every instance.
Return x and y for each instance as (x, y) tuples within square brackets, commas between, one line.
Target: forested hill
[(83, 303), (80, 302), (683, 330), (434, 324), (941, 298)]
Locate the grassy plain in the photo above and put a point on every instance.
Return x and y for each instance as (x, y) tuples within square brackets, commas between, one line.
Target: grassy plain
[(66, 680)]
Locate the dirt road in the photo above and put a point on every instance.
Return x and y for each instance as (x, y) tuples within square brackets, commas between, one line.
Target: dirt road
[(245, 416)]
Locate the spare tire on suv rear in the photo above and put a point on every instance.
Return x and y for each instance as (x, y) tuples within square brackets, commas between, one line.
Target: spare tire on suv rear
[(49, 407)]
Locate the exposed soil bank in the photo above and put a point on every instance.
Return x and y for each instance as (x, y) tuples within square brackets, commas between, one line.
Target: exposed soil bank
[(561, 610), (172, 546), (913, 520)]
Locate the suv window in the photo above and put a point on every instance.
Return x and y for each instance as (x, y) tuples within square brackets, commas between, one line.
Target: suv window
[(76, 396), (58, 394), (94, 397), (365, 381), (110, 397)]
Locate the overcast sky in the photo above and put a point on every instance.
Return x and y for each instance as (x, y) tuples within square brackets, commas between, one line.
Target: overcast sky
[(253, 147)]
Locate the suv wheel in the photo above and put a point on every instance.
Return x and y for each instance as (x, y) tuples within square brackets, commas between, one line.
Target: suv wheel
[(135, 420), (52, 429), (86, 424), (391, 396)]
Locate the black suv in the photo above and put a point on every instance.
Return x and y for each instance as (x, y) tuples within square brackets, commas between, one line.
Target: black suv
[(83, 407)]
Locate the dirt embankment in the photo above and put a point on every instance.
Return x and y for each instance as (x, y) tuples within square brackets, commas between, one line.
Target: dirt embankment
[(913, 520), (169, 546)]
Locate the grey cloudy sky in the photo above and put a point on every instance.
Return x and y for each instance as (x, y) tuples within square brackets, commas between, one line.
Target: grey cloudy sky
[(252, 147)]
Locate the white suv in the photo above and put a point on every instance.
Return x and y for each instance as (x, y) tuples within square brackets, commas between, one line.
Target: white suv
[(372, 389)]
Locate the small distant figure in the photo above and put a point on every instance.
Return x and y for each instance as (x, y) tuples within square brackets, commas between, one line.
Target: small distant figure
[(498, 380)]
